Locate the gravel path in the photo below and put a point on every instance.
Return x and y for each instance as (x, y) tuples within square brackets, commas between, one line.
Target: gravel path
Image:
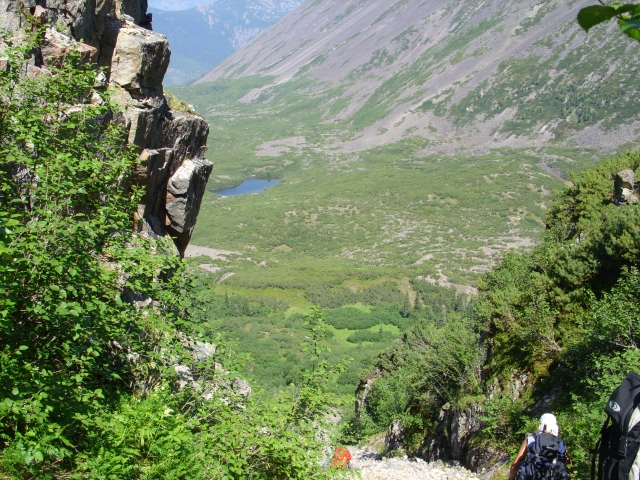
[(374, 467)]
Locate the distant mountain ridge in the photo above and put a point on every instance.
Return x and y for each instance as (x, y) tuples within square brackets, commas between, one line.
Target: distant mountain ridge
[(203, 36), (176, 5), (461, 73)]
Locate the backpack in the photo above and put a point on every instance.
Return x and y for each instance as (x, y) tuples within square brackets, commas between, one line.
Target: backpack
[(616, 453), (546, 459)]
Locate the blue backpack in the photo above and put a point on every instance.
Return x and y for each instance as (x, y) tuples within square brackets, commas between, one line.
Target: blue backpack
[(546, 459)]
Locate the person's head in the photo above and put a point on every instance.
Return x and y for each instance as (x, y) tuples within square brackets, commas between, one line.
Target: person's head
[(548, 424)]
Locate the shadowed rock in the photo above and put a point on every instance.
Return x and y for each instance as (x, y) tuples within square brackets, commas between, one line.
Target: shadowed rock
[(184, 195)]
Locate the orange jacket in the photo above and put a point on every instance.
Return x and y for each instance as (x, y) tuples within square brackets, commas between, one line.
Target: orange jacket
[(341, 458)]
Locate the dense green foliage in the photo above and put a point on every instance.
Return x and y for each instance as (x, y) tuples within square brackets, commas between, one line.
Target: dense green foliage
[(419, 375), (92, 383), (563, 316), (268, 323)]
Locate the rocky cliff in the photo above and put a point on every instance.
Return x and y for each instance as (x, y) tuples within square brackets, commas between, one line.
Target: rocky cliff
[(117, 35)]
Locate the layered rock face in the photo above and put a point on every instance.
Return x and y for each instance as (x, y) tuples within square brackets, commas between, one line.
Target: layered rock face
[(117, 35)]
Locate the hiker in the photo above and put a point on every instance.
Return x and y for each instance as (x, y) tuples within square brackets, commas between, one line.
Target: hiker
[(341, 458), (541, 455)]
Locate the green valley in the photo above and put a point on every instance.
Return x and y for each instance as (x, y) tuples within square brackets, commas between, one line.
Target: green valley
[(403, 182), (448, 247)]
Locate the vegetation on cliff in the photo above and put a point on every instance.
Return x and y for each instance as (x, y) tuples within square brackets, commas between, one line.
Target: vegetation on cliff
[(103, 373)]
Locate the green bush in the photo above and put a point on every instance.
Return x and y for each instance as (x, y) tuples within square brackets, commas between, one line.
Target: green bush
[(430, 366), (357, 319), (377, 294)]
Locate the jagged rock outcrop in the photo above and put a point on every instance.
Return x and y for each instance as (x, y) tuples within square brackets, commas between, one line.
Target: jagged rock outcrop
[(465, 422), (451, 437), (364, 387), (394, 438), (626, 190), (117, 35)]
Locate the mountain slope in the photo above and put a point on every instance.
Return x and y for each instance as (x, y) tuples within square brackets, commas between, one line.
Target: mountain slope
[(480, 75), (427, 135), (203, 36)]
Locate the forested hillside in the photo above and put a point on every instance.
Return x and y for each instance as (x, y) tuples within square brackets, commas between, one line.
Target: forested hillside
[(552, 329)]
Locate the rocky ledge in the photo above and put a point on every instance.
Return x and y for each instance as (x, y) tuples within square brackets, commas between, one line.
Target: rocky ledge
[(117, 35)]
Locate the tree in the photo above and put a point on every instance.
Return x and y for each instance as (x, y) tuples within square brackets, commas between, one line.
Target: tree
[(70, 346)]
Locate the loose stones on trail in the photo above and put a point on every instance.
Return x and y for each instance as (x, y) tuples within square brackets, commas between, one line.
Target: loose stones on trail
[(374, 467)]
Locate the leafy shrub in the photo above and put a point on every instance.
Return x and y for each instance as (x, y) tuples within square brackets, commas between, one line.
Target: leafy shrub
[(430, 366), (356, 319)]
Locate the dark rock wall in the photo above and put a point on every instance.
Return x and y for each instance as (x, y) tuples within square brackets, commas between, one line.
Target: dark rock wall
[(117, 35)]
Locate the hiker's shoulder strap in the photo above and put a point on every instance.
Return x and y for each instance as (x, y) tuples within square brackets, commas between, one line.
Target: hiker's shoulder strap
[(535, 446), (562, 447)]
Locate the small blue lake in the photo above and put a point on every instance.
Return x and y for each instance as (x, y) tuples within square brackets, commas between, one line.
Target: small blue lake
[(250, 185)]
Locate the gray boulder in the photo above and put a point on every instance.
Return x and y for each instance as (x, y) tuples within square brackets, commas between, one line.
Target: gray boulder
[(137, 58), (241, 388), (184, 195), (465, 422), (394, 439)]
